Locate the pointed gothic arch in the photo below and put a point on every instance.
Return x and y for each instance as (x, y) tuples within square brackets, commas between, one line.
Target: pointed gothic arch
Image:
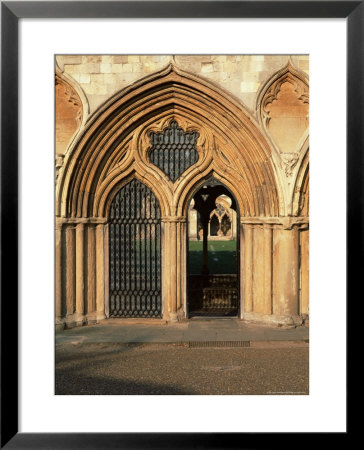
[(116, 141)]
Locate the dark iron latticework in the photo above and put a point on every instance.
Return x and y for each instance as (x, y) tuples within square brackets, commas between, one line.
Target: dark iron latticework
[(174, 150), (213, 295), (135, 253)]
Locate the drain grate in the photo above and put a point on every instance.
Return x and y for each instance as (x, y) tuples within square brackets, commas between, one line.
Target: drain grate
[(214, 344)]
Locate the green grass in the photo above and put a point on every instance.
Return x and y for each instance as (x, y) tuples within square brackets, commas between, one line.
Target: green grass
[(221, 257)]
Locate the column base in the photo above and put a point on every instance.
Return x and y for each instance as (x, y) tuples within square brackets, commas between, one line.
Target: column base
[(287, 321), (75, 320), (178, 316), (78, 320), (171, 317), (95, 317)]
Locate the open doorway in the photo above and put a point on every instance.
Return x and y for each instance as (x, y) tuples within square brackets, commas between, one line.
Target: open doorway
[(213, 252)]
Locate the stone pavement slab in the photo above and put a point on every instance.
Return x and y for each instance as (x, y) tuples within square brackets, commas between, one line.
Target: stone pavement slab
[(195, 330)]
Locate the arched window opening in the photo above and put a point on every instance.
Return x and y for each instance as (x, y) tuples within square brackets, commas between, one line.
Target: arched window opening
[(214, 225), (226, 225)]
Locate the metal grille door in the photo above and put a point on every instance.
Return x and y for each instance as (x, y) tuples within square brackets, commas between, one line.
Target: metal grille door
[(174, 150), (135, 253)]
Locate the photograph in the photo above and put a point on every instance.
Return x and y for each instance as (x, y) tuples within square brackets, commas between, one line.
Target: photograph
[(181, 224)]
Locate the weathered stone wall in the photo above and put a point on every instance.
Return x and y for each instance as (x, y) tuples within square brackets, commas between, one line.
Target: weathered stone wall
[(101, 76)]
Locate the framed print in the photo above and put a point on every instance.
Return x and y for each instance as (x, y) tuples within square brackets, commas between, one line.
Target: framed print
[(154, 90)]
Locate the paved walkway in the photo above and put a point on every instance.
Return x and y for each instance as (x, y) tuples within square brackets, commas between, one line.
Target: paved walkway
[(223, 332)]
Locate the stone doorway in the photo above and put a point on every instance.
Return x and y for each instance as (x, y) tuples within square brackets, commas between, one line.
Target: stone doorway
[(213, 256)]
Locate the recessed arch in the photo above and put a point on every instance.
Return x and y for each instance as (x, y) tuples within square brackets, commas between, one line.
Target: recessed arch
[(282, 108), (115, 143), (75, 95)]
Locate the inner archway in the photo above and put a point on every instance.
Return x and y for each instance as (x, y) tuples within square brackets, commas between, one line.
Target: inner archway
[(213, 252)]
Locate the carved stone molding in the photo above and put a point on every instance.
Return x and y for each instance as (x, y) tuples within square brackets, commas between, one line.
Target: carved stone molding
[(58, 165), (69, 111), (115, 144), (289, 162), (174, 219), (286, 223), (81, 220), (70, 93), (300, 200)]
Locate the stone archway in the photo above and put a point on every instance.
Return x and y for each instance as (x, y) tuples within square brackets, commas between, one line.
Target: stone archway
[(213, 283), (117, 146)]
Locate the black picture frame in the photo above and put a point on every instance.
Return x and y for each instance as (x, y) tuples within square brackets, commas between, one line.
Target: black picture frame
[(11, 12)]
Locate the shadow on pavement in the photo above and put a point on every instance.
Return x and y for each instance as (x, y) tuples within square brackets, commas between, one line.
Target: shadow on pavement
[(66, 385)]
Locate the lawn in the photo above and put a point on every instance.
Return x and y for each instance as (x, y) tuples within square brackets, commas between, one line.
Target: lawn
[(221, 257)]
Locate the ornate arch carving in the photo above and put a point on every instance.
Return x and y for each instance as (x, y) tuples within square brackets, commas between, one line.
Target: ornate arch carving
[(116, 144), (75, 86), (74, 94), (71, 110), (68, 110), (288, 88)]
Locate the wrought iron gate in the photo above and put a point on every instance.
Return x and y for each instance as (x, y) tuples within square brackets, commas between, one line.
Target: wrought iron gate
[(135, 253)]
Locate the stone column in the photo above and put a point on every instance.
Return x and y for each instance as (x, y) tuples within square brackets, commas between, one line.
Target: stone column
[(164, 268), (178, 268), (80, 270), (70, 267), (58, 275), (91, 273), (100, 272), (258, 269), (285, 271), (106, 266), (80, 274), (304, 245), (268, 257), (168, 290), (247, 233), (172, 270), (183, 271), (241, 265)]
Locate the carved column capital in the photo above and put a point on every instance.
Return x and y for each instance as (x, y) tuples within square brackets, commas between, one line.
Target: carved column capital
[(80, 220), (174, 219), (286, 223)]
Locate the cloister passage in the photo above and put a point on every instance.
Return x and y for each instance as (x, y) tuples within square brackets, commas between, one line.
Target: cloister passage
[(213, 253)]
